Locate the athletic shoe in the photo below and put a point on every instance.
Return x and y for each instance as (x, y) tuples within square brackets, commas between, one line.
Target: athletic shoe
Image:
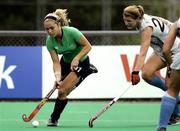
[(52, 122), (175, 119), (161, 129)]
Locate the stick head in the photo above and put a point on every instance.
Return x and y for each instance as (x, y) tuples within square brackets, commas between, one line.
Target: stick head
[(25, 118), (91, 123)]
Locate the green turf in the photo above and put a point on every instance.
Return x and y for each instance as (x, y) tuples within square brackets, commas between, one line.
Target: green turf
[(122, 116)]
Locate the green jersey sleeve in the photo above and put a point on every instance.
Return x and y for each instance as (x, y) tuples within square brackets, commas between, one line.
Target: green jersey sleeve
[(75, 33), (49, 44)]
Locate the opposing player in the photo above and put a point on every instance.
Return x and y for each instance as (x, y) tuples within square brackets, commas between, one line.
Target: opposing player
[(171, 52), (74, 65), (153, 31)]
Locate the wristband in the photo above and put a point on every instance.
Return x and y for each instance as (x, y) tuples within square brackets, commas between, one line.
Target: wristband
[(57, 76)]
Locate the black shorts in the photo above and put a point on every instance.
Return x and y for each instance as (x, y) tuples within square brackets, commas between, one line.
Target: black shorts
[(84, 69), (66, 67)]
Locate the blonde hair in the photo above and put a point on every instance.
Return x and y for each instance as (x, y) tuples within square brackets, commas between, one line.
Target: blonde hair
[(134, 11), (60, 15)]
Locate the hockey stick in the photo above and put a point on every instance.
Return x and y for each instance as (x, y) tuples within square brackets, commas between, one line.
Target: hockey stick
[(93, 118), (38, 107)]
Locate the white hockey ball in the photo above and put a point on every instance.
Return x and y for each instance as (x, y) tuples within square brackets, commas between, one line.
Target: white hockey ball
[(35, 123)]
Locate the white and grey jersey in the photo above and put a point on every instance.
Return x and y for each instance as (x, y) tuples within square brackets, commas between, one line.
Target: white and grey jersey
[(159, 34), (176, 51), (176, 45)]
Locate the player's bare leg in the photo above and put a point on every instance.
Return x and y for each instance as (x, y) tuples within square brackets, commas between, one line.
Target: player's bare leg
[(148, 74), (67, 85)]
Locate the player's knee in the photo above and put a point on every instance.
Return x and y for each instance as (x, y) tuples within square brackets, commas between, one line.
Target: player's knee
[(62, 97), (146, 75), (62, 94)]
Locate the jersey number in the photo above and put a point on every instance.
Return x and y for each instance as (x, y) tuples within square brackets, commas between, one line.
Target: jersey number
[(156, 21)]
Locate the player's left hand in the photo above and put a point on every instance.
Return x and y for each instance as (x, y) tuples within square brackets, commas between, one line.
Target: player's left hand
[(74, 64), (135, 79)]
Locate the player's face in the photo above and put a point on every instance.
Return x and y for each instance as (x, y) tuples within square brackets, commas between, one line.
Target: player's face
[(52, 28), (130, 22)]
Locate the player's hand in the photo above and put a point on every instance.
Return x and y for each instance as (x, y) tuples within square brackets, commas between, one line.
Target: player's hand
[(58, 84), (74, 64), (135, 79), (58, 77)]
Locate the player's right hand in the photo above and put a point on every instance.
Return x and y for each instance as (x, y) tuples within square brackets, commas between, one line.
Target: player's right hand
[(58, 84), (58, 78), (135, 79)]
